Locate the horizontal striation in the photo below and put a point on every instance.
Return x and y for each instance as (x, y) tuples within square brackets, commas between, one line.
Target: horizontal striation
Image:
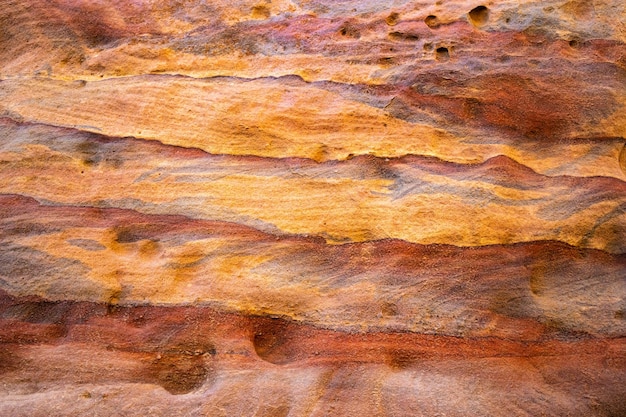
[(430, 64), (312, 208), (122, 256), (413, 198), (103, 356), (283, 118), (346, 42)]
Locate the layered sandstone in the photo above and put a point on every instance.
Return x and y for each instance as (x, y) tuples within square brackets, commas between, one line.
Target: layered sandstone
[(309, 208)]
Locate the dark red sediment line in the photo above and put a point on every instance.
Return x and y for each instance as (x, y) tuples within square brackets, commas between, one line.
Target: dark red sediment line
[(182, 348), (199, 330), (131, 226), (500, 170), (185, 349), (21, 214), (518, 286)]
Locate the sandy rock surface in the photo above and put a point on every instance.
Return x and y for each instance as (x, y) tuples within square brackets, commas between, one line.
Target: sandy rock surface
[(312, 208)]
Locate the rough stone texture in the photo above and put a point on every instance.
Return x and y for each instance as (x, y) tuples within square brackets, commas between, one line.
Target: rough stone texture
[(312, 208)]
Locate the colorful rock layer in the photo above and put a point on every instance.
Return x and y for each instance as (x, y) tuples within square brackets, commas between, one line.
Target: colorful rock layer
[(312, 208)]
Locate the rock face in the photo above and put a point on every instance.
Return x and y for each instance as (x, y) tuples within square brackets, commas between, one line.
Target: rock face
[(312, 208)]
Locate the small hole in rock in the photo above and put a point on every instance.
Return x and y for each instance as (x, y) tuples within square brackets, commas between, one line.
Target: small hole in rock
[(389, 309), (392, 19), (350, 31), (403, 37), (432, 21), (574, 43), (442, 54), (479, 15)]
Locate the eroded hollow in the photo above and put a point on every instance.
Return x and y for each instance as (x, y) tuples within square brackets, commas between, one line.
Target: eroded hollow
[(392, 19), (432, 21), (183, 365), (479, 15), (442, 54), (404, 37), (350, 31), (179, 373), (274, 341)]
